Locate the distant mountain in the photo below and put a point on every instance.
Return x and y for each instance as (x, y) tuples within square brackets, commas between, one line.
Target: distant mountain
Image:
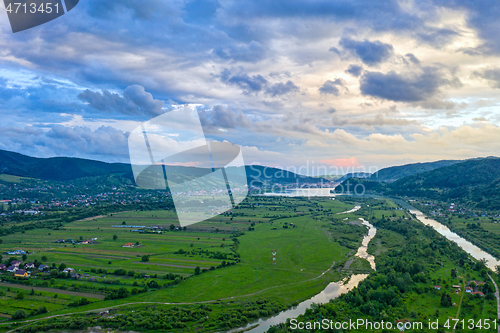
[(394, 173), (58, 168), (354, 175), (474, 181), (70, 168)]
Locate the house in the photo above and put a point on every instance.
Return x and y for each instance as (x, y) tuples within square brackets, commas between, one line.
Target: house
[(75, 275), (3, 267), (42, 267), (30, 265), (21, 273), (477, 293), (68, 270), (437, 287), (128, 245), (16, 252), (456, 286), (468, 289), (16, 263), (11, 269)]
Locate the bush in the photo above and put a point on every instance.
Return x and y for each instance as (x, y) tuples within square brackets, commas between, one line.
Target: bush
[(41, 310), (19, 314), (82, 301)]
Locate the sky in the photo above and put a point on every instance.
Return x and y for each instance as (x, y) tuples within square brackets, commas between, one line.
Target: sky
[(321, 86)]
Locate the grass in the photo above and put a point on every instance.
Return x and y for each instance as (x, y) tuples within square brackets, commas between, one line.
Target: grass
[(304, 251)]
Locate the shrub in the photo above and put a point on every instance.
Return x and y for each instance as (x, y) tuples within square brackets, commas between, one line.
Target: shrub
[(19, 314)]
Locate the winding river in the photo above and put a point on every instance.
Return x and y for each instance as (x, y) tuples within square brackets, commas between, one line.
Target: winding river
[(467, 246), (332, 290), (335, 289)]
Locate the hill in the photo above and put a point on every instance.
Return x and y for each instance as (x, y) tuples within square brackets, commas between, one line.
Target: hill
[(394, 173), (354, 175), (58, 168), (476, 181), (70, 168)]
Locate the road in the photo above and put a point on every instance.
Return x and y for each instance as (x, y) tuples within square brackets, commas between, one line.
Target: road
[(498, 298)]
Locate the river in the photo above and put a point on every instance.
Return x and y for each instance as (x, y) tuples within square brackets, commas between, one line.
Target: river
[(303, 192), (335, 289), (332, 290), (467, 246)]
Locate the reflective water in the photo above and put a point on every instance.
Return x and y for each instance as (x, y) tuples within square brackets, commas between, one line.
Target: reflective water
[(468, 247), (304, 192)]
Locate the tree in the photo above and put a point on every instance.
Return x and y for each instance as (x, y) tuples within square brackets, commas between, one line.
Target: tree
[(446, 299), (25, 257), (19, 314), (172, 227), (62, 266), (115, 237), (53, 272), (20, 295), (44, 258), (453, 273), (145, 258), (197, 270)]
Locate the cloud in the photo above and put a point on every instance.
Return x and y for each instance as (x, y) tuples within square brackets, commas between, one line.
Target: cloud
[(412, 58), (251, 52), (249, 84), (135, 101), (331, 87), (377, 120), (492, 75), (370, 53), (406, 87), (342, 162), (354, 70), (104, 143), (281, 88), (221, 117), (257, 83)]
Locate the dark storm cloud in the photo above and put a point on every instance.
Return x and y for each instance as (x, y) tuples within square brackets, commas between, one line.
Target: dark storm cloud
[(370, 53), (411, 87), (281, 88), (492, 75), (135, 101), (354, 70), (331, 87)]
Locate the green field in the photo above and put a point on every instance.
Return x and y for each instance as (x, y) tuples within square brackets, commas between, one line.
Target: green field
[(308, 236)]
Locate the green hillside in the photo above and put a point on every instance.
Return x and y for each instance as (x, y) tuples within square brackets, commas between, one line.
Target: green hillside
[(70, 168), (394, 173)]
